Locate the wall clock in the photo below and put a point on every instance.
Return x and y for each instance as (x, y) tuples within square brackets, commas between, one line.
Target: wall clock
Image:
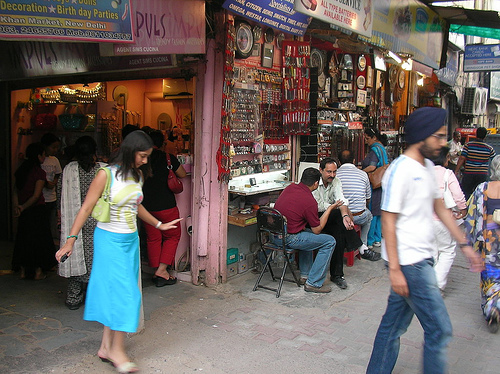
[(269, 35), (317, 60), (401, 79), (361, 82), (257, 33), (279, 40), (361, 63), (244, 39)]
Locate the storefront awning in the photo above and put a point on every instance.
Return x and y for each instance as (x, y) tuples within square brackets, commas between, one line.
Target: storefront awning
[(474, 22)]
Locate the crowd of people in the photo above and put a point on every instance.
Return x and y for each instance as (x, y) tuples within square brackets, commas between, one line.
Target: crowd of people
[(418, 218)]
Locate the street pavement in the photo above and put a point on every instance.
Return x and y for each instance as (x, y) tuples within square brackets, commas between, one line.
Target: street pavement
[(232, 329)]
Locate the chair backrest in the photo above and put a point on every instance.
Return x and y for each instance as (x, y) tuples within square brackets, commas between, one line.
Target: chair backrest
[(271, 220)]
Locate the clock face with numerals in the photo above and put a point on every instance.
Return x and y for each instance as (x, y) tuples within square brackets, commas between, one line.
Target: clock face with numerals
[(317, 60), (361, 63), (244, 39)]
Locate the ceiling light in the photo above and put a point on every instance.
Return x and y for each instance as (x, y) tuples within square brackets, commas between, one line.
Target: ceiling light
[(420, 82), (407, 65), (395, 57)]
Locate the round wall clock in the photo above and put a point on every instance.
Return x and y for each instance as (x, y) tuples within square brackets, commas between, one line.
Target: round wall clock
[(401, 79), (279, 40), (317, 60), (269, 35), (361, 63), (257, 33), (244, 39), (361, 82)]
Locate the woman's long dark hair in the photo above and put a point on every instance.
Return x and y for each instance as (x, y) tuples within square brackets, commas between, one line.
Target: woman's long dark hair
[(32, 161), (85, 150), (374, 133), (137, 141)]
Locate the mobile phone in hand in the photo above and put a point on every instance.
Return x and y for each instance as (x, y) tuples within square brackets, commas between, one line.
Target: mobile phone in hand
[(64, 257)]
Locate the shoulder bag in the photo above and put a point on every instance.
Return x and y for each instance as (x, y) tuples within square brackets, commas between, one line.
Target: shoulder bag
[(101, 211), (375, 176), (174, 183)]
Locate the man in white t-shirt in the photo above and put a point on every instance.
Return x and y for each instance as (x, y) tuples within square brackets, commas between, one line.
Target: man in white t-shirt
[(409, 197)]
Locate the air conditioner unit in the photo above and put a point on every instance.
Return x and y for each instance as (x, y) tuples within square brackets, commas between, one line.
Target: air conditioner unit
[(484, 100), (471, 102)]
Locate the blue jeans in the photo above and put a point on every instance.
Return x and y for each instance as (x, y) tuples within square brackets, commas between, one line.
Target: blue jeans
[(375, 233), (364, 220), (426, 302), (306, 242)]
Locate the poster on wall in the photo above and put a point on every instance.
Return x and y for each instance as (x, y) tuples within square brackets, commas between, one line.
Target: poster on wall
[(278, 14), (356, 16), (408, 27), (91, 21), (165, 26), (495, 85)]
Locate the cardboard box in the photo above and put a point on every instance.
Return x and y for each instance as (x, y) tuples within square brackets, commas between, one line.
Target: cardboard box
[(232, 269), (242, 266), (232, 255)]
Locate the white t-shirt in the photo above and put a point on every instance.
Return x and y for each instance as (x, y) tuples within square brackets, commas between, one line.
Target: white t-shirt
[(52, 167), (409, 189)]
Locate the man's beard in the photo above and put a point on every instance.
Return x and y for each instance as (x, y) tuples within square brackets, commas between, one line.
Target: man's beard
[(428, 152)]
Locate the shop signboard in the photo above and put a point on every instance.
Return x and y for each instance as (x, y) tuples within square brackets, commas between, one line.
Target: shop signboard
[(33, 59), (449, 73), (481, 57), (408, 27), (165, 26), (354, 15), (84, 20), (495, 85), (278, 14)]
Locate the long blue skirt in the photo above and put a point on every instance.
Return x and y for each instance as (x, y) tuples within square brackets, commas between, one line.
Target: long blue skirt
[(113, 294)]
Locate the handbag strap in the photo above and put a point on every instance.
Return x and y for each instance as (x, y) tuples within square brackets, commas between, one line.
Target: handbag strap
[(107, 187), (379, 152), (169, 163)]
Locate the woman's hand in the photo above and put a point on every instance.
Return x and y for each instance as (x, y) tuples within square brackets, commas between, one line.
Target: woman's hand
[(66, 249), (169, 225), (18, 209)]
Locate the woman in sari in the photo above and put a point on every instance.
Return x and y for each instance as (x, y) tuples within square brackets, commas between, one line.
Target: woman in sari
[(483, 233), (376, 157)]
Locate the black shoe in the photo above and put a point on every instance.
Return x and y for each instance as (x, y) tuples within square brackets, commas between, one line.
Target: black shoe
[(493, 321), (371, 255), (73, 306), (340, 282)]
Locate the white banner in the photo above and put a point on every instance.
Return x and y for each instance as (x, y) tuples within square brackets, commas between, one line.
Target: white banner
[(354, 15)]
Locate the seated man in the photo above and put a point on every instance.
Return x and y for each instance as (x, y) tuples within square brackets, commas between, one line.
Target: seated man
[(339, 224), (299, 207), (357, 189)]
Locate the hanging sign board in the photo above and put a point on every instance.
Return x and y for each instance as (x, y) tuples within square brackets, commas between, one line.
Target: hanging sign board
[(495, 85), (482, 57), (90, 21), (278, 14), (408, 27), (165, 27), (449, 73), (355, 15)]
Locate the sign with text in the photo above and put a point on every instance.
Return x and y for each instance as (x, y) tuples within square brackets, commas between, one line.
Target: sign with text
[(354, 15), (408, 27), (166, 26), (31, 59), (278, 14), (482, 57), (86, 20)]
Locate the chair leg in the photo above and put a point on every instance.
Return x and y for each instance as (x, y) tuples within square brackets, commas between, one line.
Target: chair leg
[(267, 264), (296, 279)]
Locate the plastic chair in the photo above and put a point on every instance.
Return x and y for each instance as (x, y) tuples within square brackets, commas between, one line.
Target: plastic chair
[(271, 223)]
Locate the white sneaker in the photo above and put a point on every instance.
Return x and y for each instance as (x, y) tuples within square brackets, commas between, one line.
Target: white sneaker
[(362, 248)]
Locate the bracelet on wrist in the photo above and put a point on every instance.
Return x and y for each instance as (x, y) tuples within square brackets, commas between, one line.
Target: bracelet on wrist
[(345, 215), (72, 236), (159, 224)]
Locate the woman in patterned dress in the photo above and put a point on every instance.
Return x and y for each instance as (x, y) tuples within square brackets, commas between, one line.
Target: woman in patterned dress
[(483, 233), (113, 294), (76, 179)]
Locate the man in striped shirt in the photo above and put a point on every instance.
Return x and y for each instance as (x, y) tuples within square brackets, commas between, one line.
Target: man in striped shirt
[(475, 158), (357, 189)]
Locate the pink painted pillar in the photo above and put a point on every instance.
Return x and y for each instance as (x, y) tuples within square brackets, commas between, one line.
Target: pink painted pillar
[(209, 196)]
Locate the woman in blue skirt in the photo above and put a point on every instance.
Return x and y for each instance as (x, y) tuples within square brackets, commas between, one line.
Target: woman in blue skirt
[(113, 294)]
